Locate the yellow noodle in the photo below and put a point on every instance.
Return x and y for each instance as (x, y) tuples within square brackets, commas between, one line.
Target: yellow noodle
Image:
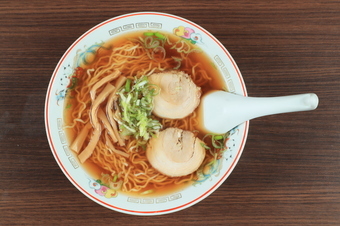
[(132, 60)]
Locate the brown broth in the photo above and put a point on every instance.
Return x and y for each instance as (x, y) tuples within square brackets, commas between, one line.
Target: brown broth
[(216, 83)]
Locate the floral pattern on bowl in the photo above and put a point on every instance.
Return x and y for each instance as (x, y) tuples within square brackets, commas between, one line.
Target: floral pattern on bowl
[(64, 79)]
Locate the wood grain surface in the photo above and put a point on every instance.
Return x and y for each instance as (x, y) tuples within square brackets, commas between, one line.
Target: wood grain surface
[(289, 172)]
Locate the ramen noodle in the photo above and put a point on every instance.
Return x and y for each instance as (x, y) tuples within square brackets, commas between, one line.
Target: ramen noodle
[(93, 114)]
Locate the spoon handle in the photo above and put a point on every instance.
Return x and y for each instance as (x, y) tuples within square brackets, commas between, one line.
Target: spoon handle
[(223, 111), (262, 106)]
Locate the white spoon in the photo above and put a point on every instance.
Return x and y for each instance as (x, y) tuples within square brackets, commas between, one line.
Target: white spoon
[(222, 111)]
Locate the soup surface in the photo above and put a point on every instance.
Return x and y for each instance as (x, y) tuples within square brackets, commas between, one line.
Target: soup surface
[(117, 159)]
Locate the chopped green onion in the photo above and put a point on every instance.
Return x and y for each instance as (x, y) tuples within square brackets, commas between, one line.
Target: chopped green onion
[(140, 84), (218, 137), (217, 140), (159, 35), (217, 144), (136, 103), (149, 33), (115, 178), (128, 85), (205, 146)]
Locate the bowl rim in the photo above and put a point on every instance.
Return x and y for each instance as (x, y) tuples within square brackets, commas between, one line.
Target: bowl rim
[(116, 208)]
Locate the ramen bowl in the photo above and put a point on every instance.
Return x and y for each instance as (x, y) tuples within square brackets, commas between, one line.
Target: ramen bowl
[(206, 180)]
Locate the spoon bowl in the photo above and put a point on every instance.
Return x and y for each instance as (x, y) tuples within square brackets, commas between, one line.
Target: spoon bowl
[(222, 111)]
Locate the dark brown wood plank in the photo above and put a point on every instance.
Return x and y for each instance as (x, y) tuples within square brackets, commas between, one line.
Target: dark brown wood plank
[(289, 172)]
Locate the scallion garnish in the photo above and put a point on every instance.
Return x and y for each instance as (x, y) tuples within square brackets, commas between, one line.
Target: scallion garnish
[(218, 137), (136, 103), (128, 85)]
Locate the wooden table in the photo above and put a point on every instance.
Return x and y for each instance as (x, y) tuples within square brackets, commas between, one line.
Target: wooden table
[(289, 172)]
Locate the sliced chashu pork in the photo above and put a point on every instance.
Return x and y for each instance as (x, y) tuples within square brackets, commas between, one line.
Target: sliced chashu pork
[(178, 96), (175, 152)]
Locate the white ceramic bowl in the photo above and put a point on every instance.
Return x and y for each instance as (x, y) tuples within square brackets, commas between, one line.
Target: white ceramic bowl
[(69, 163)]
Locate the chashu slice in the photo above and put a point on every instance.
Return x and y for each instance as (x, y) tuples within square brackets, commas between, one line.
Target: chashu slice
[(175, 152), (178, 96)]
